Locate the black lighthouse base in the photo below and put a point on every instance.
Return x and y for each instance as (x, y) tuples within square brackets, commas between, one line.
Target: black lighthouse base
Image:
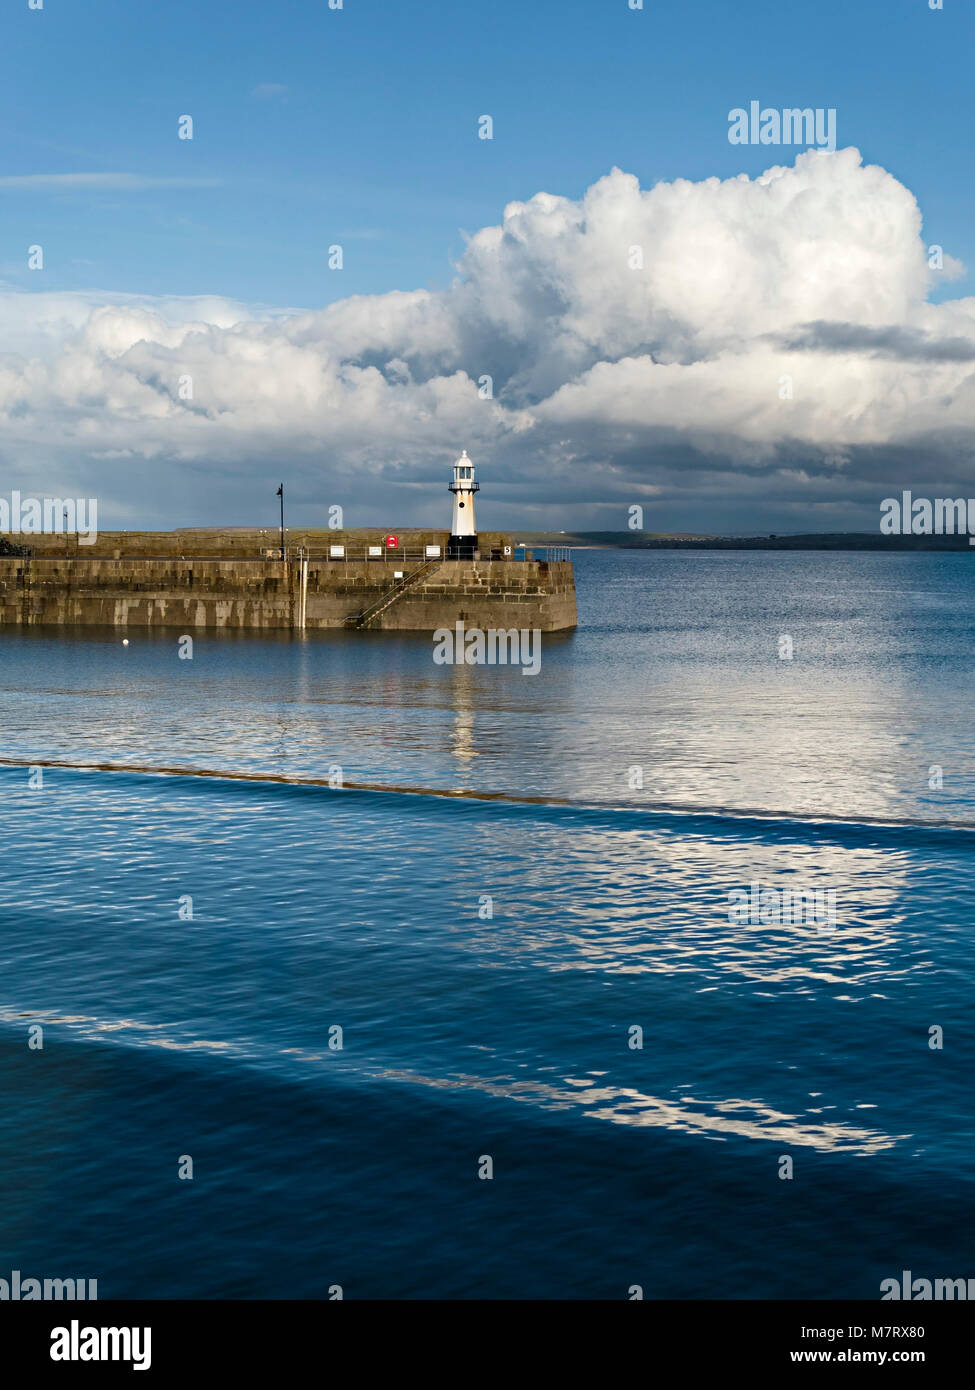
[(461, 547)]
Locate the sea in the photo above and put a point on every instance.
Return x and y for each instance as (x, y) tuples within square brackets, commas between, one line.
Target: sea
[(330, 971)]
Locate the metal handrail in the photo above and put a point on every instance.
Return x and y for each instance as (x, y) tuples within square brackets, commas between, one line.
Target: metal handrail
[(272, 554), (550, 553), (390, 596), (388, 557)]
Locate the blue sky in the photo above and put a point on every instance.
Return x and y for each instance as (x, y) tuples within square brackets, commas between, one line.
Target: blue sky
[(207, 259), (373, 142)]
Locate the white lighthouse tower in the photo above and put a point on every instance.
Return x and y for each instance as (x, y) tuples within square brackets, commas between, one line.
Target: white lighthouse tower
[(463, 530)]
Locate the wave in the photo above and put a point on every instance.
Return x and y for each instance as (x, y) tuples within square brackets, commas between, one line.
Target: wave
[(706, 820)]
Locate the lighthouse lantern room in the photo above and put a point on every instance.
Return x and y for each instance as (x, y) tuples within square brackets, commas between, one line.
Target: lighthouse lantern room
[(463, 531)]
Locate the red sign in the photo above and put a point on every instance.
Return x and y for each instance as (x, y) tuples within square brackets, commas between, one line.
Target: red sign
[(392, 542)]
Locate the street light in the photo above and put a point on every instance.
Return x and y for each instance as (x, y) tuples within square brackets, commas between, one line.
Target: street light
[(280, 493)]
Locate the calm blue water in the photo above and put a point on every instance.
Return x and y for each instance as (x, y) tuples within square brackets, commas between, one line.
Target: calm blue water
[(466, 1035)]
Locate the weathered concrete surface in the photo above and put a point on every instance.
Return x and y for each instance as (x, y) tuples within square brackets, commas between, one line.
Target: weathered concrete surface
[(490, 593), (242, 593)]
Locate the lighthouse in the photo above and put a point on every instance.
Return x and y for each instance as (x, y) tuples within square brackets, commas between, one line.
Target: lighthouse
[(463, 530)]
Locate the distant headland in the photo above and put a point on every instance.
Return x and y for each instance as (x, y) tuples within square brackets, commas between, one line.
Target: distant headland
[(814, 540)]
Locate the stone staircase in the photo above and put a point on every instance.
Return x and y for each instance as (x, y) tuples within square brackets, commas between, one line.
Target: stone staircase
[(386, 600)]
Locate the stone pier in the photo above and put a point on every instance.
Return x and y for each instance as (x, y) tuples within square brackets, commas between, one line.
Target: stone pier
[(184, 592)]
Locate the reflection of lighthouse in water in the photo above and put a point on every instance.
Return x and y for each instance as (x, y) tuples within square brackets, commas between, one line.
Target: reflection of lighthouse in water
[(462, 744), (463, 530)]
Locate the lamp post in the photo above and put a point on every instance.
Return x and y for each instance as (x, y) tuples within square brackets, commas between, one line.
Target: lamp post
[(280, 493)]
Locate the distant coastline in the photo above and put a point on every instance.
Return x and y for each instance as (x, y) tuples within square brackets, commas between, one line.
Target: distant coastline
[(826, 540)]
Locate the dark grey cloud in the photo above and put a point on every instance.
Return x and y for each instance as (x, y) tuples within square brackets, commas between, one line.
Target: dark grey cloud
[(891, 341)]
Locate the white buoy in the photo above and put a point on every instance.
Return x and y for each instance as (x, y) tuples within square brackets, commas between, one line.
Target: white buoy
[(125, 641)]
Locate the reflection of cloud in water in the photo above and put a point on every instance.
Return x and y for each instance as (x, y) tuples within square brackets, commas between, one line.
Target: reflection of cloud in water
[(744, 737), (144, 1034), (622, 1105), (743, 1119), (623, 901)]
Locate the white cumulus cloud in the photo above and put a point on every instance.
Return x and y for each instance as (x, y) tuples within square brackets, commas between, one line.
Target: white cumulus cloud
[(729, 349)]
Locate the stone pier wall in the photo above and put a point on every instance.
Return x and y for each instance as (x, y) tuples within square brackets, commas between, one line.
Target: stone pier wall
[(249, 593)]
